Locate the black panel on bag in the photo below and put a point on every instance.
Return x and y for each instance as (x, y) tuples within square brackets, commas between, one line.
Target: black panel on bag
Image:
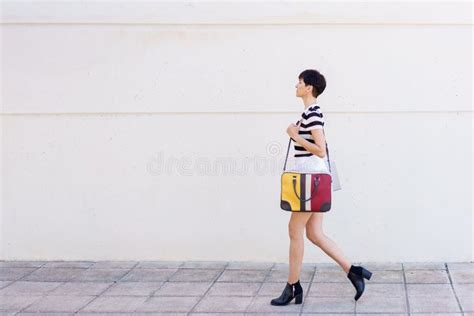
[(325, 207), (285, 205)]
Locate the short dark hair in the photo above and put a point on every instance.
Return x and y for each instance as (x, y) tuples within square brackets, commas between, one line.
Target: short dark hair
[(314, 78)]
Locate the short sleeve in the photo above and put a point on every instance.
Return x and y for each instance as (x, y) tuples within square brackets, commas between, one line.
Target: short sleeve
[(312, 120)]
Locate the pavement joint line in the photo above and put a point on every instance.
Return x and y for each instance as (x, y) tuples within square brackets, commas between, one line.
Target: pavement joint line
[(8, 284), (152, 294), (406, 290), (208, 289), (166, 281), (132, 268), (260, 287), (307, 291), (44, 294), (37, 268), (97, 296), (163, 283), (452, 287), (40, 297)]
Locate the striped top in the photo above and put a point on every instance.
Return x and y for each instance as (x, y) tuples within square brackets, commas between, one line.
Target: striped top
[(311, 118)]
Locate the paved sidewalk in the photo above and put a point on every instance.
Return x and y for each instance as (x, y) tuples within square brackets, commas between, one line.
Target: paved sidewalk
[(229, 288)]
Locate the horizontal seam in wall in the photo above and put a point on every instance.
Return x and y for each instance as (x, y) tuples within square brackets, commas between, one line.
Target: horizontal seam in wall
[(231, 112), (240, 24)]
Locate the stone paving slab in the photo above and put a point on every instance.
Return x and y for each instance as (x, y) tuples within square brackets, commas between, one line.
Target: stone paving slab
[(387, 276), (115, 304), (460, 265), (27, 288), (132, 288), (431, 290), (250, 265), (424, 266), (183, 289), (224, 304), (159, 264), (235, 288), (68, 264), (282, 276), (54, 274), (377, 266), (462, 276), (147, 275), (244, 276), (16, 303), (22, 264), (326, 304), (14, 273), (59, 303), (306, 266), (463, 289), (204, 265), (195, 275), (444, 304), (271, 288), (426, 276), (230, 288), (114, 264), (81, 288), (261, 304), (381, 304)]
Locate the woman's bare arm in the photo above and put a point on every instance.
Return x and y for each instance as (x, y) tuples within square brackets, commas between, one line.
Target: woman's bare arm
[(319, 148)]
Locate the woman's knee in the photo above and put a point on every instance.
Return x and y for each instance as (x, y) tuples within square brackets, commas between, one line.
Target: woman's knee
[(296, 231), (297, 224), (316, 238)]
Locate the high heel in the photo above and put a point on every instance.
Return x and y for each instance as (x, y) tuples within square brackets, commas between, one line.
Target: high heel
[(356, 275), (366, 273), (290, 292), (299, 298)]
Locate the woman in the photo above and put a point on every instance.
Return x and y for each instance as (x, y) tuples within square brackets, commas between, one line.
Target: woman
[(310, 155)]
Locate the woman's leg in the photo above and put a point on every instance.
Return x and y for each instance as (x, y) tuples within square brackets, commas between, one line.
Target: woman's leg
[(314, 232), (296, 227)]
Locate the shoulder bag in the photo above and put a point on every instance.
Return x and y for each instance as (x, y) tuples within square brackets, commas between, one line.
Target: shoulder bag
[(305, 192)]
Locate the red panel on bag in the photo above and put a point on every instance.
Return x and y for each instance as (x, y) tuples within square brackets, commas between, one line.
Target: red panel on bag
[(322, 200)]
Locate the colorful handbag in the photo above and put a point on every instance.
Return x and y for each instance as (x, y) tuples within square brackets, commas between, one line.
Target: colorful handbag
[(305, 192)]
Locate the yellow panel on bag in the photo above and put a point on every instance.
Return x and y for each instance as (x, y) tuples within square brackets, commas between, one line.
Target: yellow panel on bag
[(287, 190)]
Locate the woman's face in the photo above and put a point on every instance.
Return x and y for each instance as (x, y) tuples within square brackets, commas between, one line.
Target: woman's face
[(301, 88)]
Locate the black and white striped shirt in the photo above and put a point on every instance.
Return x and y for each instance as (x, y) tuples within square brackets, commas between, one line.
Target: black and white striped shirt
[(311, 118)]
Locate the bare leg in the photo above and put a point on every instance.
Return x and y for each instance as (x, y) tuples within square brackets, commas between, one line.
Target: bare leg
[(314, 232), (296, 228)]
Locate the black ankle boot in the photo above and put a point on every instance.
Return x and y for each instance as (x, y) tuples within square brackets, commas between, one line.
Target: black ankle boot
[(290, 292), (356, 275)]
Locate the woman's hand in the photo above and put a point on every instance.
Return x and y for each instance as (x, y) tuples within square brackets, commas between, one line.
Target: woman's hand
[(292, 130)]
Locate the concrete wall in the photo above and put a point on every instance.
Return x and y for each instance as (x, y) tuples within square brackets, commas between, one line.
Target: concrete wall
[(117, 119)]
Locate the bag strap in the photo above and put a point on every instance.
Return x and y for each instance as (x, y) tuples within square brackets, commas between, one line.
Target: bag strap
[(327, 152)]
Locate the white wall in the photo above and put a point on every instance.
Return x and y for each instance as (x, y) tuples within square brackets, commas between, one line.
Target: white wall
[(94, 92)]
